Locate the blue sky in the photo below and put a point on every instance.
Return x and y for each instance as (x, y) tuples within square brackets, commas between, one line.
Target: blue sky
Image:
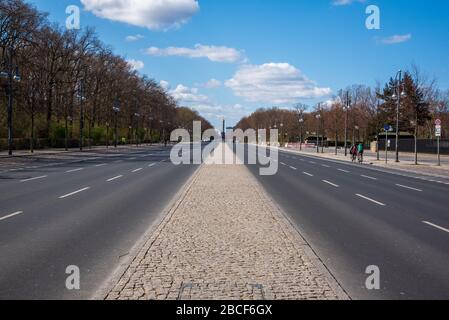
[(229, 57)]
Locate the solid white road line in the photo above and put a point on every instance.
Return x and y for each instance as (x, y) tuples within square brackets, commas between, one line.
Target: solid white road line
[(369, 199), (308, 174), (115, 178), (293, 168), (332, 184), (407, 187), (368, 177), (74, 170), (137, 170), (436, 226), (345, 171), (11, 215), (73, 193), (32, 179)]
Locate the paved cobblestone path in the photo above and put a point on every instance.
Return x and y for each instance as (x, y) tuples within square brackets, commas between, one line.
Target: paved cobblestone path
[(225, 240)]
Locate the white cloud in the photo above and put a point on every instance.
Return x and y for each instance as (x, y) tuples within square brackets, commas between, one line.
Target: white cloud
[(186, 95), (212, 84), (136, 64), (397, 39), (213, 53), (276, 83), (151, 14), (346, 2), (134, 38)]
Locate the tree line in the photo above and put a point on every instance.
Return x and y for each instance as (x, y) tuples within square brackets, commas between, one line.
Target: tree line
[(361, 112), (68, 88)]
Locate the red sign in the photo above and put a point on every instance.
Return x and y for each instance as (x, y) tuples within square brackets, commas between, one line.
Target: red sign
[(438, 122)]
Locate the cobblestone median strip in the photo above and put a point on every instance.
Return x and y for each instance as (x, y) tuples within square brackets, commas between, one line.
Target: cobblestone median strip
[(225, 239)]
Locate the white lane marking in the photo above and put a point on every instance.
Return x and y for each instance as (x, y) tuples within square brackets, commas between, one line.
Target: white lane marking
[(115, 178), (368, 177), (436, 226), (11, 215), (345, 171), (325, 165), (308, 174), (100, 165), (283, 163), (132, 158), (293, 168), (312, 162), (74, 170), (407, 187), (332, 184), (73, 193), (151, 165), (118, 161), (32, 179), (369, 199), (137, 170), (163, 160)]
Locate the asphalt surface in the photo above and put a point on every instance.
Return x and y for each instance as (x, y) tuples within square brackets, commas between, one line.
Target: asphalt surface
[(355, 216), (86, 211)]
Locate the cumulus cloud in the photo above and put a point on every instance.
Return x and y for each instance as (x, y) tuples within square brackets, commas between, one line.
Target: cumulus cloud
[(397, 39), (136, 64), (276, 83), (134, 38), (186, 95), (212, 84), (151, 14), (213, 53)]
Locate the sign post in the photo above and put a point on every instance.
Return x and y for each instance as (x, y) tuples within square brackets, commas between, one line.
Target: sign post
[(438, 135), (387, 129)]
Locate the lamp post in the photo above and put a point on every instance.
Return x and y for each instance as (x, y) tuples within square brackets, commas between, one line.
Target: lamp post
[(107, 135), (81, 99), (116, 109), (318, 117), (66, 140), (282, 134), (399, 93), (301, 123), (346, 109), (137, 116), (11, 74)]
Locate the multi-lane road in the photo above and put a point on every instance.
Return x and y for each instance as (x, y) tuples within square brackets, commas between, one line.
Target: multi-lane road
[(357, 216), (87, 212)]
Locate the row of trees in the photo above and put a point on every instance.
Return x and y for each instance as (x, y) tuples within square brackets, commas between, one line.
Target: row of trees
[(73, 87), (364, 111)]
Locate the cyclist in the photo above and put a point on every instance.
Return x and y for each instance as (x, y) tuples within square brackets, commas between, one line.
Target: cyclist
[(360, 150), (353, 152)]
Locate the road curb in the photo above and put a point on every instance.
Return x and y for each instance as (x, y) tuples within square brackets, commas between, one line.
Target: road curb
[(151, 234)]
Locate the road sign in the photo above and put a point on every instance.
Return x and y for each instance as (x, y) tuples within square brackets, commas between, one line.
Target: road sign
[(388, 128), (438, 122), (438, 130)]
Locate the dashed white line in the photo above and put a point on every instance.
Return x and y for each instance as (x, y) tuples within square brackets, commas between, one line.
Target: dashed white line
[(32, 179), (100, 165), (312, 162), (308, 174), (325, 165), (436, 226), (115, 178), (137, 170), (283, 163), (74, 170), (368, 177), (407, 187), (73, 193), (151, 165), (293, 168), (11, 215), (332, 184), (369, 199), (343, 170)]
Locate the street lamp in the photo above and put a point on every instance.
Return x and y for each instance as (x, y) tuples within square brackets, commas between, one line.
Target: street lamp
[(137, 116), (346, 108), (11, 74), (301, 123), (66, 140), (282, 134), (398, 94), (318, 117), (81, 98), (116, 109)]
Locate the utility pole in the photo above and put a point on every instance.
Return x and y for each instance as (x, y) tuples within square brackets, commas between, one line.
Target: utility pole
[(346, 122), (116, 109), (81, 94), (398, 95)]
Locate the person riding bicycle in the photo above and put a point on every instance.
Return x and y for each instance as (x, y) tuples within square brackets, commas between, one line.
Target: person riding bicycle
[(360, 150), (353, 152)]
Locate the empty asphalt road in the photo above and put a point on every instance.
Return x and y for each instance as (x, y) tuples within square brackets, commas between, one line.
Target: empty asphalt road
[(86, 211), (354, 217)]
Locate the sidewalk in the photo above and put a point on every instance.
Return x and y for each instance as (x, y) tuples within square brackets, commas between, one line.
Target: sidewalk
[(224, 239), (426, 165)]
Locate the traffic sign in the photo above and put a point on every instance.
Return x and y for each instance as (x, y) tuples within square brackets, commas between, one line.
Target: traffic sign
[(438, 130), (438, 122), (388, 128)]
